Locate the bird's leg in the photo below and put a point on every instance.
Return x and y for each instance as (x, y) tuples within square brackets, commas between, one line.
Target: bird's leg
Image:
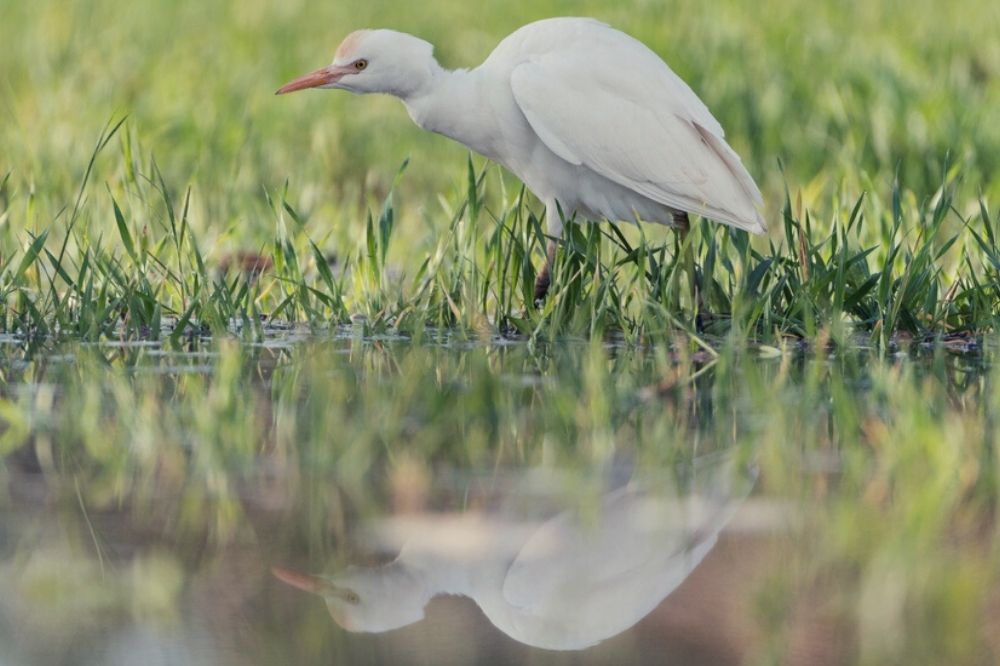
[(554, 224), (683, 225), (544, 278)]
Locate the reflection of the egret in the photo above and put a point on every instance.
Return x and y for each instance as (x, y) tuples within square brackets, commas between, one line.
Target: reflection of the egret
[(565, 583)]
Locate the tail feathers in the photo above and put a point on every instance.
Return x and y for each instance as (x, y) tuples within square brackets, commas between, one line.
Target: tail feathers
[(750, 217)]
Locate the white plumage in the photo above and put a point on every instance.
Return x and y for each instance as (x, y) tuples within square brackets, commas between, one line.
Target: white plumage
[(590, 119), (565, 583)]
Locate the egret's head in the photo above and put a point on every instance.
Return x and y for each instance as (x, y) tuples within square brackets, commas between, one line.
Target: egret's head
[(366, 600), (374, 61)]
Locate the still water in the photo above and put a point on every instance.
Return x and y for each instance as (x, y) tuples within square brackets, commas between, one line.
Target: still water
[(357, 501)]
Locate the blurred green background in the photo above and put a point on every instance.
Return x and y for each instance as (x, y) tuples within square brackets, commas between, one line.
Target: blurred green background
[(845, 95)]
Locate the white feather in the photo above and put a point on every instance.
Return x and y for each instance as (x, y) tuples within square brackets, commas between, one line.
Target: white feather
[(600, 99), (592, 121)]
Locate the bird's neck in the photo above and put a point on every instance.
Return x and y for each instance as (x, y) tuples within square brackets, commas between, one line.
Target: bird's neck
[(454, 103), (440, 575)]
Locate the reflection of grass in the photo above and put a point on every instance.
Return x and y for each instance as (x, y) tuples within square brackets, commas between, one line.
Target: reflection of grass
[(892, 467)]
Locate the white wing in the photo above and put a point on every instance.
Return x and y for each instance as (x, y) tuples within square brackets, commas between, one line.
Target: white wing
[(603, 100), (582, 581), (569, 556), (577, 585)]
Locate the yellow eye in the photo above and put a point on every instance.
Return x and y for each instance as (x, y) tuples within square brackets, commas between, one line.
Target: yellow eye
[(360, 65), (352, 597)]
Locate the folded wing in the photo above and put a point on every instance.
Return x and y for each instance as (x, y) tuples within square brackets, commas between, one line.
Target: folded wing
[(617, 109)]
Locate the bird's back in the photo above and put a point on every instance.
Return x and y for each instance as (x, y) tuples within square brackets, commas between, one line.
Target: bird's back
[(596, 41), (604, 102)]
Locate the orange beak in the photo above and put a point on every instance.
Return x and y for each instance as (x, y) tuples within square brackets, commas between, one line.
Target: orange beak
[(313, 584), (317, 79)]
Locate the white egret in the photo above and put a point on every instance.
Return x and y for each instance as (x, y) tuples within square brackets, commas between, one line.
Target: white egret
[(590, 119), (563, 584)]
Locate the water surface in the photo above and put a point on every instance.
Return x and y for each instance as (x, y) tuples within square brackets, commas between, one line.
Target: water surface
[(354, 500)]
